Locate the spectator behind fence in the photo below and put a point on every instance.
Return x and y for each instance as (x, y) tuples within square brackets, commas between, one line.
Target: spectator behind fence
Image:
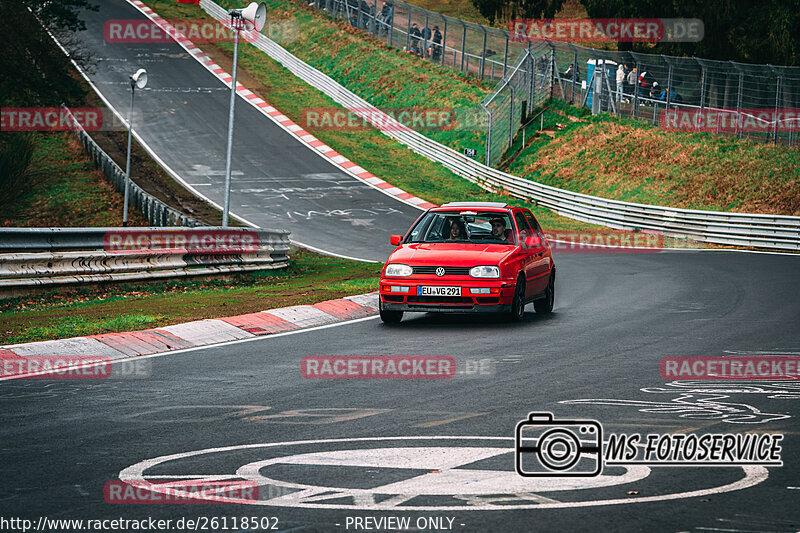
[(385, 18), (620, 81), (415, 36), (542, 67), (426, 40), (632, 80), (568, 73), (365, 15), (437, 44), (655, 91)]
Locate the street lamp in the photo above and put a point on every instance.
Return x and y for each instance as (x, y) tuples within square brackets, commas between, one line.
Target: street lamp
[(256, 15), (139, 79)]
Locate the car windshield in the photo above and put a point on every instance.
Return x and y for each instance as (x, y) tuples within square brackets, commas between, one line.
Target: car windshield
[(465, 227)]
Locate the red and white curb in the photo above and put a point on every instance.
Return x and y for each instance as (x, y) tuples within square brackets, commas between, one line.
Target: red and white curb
[(115, 346), (282, 120)]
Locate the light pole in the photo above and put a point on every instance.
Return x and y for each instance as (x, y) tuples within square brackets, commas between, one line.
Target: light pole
[(256, 15), (139, 79)]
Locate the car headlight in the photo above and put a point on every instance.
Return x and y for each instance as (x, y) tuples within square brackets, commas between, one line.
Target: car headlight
[(485, 272), (397, 270)]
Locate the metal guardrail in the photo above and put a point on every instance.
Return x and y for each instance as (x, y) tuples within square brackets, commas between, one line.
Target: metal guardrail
[(58, 256), (780, 232)]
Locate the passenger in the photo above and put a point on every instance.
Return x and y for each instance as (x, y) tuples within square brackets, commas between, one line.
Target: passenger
[(457, 231), (499, 230)]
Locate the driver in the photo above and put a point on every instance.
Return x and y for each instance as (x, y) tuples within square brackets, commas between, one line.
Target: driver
[(499, 230)]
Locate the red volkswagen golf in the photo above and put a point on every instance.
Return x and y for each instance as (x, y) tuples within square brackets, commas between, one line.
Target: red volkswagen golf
[(467, 257)]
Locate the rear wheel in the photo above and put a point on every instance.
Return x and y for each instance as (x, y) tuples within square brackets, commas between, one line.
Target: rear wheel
[(518, 303), (390, 317), (545, 305)]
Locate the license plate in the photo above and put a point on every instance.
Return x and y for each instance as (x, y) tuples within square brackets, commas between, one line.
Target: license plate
[(438, 291)]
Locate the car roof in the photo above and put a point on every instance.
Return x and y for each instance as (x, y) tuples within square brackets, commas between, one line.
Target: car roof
[(483, 206)]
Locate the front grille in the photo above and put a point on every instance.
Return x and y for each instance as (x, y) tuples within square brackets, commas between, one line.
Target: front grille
[(463, 300), (488, 300), (392, 298), (448, 271)]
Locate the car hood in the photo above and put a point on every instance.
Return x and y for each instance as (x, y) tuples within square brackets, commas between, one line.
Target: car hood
[(451, 254)]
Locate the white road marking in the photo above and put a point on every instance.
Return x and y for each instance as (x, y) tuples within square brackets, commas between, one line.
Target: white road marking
[(363, 498)]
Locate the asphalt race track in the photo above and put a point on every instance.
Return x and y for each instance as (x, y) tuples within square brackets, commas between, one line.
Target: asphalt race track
[(276, 181), (617, 315), (331, 454)]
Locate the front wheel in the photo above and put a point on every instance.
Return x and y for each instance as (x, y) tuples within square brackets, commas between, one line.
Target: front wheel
[(545, 305), (390, 317), (518, 302)]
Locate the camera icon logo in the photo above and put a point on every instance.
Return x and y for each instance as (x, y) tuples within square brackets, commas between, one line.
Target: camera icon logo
[(545, 447)]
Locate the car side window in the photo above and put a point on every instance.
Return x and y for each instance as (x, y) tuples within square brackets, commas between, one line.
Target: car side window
[(533, 223), (522, 225)]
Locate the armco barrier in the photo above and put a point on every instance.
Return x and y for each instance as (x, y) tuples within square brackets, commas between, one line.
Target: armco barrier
[(56, 256), (780, 232)]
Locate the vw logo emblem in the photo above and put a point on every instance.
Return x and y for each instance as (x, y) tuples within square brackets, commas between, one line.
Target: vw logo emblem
[(440, 271)]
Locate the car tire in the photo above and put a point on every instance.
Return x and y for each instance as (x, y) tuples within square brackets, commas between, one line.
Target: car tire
[(518, 302), (390, 317), (545, 305)]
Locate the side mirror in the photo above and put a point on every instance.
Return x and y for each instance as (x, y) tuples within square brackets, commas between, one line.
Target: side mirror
[(395, 240)]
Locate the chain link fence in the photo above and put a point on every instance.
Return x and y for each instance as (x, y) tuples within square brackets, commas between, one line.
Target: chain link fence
[(758, 102), (528, 83)]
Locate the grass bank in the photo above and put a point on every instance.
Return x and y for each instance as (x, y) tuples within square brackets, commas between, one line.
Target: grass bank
[(61, 187)]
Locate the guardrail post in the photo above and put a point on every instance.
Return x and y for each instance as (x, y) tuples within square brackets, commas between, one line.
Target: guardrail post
[(511, 119), (574, 73), (488, 132), (552, 67), (505, 57), (483, 55), (702, 85), (531, 74), (408, 30), (425, 36), (463, 45), (391, 26), (778, 80), (669, 83), (636, 90), (444, 42)]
